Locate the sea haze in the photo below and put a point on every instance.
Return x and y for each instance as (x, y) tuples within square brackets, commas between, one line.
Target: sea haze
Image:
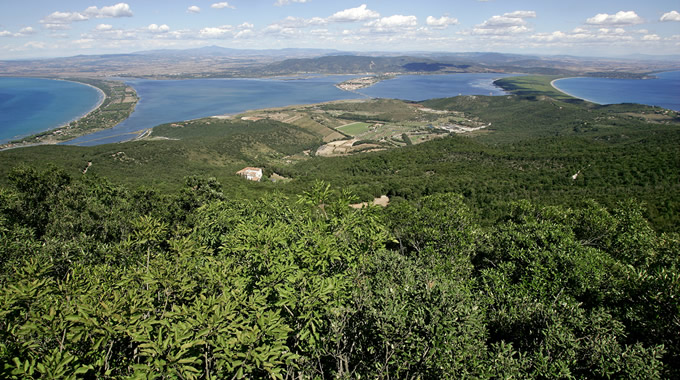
[(164, 101), (662, 91), (31, 105)]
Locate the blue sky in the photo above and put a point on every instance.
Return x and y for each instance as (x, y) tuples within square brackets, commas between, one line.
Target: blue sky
[(48, 28)]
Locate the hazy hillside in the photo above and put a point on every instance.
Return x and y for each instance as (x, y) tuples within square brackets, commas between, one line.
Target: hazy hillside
[(215, 61)]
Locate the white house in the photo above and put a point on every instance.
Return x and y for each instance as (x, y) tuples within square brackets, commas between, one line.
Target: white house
[(253, 174)]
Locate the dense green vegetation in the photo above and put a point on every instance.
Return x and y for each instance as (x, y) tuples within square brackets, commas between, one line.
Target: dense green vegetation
[(216, 148), (101, 281), (543, 246)]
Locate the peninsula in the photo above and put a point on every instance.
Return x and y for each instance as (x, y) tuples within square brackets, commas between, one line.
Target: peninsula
[(363, 82)]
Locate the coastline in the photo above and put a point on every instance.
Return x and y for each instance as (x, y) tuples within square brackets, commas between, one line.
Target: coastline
[(553, 85), (78, 126), (19, 142), (100, 100)]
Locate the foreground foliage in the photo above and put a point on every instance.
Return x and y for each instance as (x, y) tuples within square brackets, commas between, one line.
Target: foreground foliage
[(102, 282)]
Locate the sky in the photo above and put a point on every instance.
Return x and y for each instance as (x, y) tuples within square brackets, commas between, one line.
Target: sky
[(49, 28)]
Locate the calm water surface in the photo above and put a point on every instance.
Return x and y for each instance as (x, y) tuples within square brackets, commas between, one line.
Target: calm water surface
[(422, 87), (168, 101), (662, 91), (31, 105)]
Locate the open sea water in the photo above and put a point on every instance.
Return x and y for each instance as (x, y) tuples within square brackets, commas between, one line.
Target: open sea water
[(31, 105), (662, 91), (24, 101)]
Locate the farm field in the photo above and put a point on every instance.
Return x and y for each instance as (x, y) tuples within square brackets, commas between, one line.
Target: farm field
[(355, 128)]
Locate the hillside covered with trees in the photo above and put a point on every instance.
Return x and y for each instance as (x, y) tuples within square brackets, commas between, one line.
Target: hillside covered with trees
[(102, 281), (544, 245)]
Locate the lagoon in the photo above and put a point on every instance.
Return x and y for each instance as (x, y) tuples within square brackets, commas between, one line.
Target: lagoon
[(662, 91), (164, 101), (423, 87), (31, 105)]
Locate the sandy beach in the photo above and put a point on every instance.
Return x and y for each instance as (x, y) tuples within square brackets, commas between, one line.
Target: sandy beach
[(118, 93), (100, 101), (552, 83)]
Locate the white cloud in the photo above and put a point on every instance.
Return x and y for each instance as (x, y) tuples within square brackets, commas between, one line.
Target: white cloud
[(153, 28), (217, 32), (280, 3), (247, 33), (620, 18), (246, 25), (35, 45), (104, 27), (651, 37), (618, 31), (194, 9), (288, 25), (521, 14), (361, 13), (111, 34), (508, 23), (600, 36), (84, 41), (62, 20), (503, 21), (57, 26), (514, 29), (113, 11), (670, 16), (396, 21), (291, 25), (441, 22), (23, 32), (222, 5), (27, 31)]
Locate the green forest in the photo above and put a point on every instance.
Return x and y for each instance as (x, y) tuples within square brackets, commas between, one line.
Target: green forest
[(543, 246)]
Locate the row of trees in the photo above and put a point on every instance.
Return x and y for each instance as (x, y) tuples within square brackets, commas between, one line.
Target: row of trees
[(99, 281)]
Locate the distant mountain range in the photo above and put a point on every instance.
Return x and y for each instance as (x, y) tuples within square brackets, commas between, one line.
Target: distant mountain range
[(218, 51), (216, 62)]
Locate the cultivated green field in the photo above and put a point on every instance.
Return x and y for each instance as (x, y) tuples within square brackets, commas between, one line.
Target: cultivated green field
[(355, 128)]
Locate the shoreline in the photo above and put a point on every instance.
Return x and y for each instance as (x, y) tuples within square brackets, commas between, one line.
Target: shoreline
[(77, 126), (18, 140), (102, 97), (552, 84)]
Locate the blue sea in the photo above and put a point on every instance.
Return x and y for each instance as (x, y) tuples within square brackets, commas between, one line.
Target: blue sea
[(662, 91), (31, 105), (24, 102)]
